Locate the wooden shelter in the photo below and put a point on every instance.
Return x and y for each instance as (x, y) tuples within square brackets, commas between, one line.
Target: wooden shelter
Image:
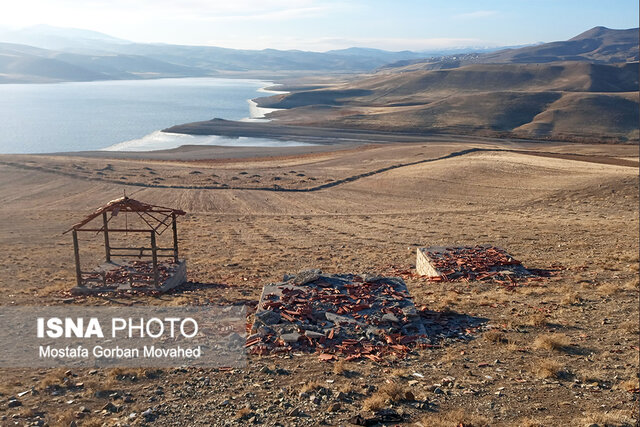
[(157, 219)]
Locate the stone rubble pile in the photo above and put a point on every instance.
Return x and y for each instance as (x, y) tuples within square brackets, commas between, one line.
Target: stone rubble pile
[(355, 315)]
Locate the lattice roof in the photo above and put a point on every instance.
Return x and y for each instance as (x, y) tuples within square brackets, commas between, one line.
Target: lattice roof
[(158, 218)]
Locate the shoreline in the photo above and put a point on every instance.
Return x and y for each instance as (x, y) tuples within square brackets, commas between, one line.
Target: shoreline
[(160, 140)]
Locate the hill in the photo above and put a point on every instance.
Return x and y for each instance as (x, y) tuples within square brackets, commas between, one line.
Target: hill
[(573, 100), (597, 45), (26, 64)]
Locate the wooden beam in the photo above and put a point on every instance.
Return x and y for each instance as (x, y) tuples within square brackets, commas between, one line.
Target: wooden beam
[(154, 256), (76, 255), (107, 250), (174, 225), (115, 230)]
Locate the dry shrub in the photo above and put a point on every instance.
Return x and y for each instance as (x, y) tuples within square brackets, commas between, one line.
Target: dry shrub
[(537, 319), (529, 422), (310, 386), (609, 288), (54, 377), (347, 388), (450, 355), (547, 368), (629, 385), (243, 412), (375, 402), (618, 418), (513, 345), (633, 284), (387, 393), (400, 373), (570, 297), (448, 302), (133, 374), (61, 419), (339, 367), (394, 391), (592, 375), (494, 337), (454, 418), (631, 326), (556, 342)]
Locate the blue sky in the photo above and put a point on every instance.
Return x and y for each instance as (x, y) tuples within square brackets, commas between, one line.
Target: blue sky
[(323, 25)]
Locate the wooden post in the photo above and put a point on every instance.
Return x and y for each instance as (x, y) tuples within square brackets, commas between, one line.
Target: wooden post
[(107, 248), (175, 238), (154, 256), (76, 254)]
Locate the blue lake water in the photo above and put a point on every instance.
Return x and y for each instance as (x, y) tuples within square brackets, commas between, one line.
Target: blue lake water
[(121, 115)]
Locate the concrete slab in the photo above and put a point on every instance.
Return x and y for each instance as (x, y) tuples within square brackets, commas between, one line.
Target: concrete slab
[(470, 262)]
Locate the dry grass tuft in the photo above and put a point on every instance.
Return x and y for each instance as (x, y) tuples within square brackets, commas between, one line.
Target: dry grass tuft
[(537, 319), (310, 386), (547, 368), (529, 422), (556, 342), (629, 385), (53, 378), (375, 402), (400, 373), (243, 412), (387, 393), (61, 419), (633, 284), (619, 418), (495, 337), (394, 391), (631, 326), (610, 288), (447, 302), (339, 367), (454, 418), (570, 296)]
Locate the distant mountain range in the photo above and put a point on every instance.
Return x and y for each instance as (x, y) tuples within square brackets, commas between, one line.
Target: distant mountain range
[(597, 45), (584, 89), (50, 54)]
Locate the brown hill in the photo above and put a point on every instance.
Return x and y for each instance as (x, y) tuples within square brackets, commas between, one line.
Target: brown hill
[(567, 100)]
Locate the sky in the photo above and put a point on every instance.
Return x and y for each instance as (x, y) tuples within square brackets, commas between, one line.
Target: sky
[(323, 25)]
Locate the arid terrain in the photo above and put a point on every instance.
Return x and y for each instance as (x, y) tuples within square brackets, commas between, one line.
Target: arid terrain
[(562, 351), (584, 89)]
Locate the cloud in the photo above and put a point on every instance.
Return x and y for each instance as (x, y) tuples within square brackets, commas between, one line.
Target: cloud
[(273, 15), (477, 14)]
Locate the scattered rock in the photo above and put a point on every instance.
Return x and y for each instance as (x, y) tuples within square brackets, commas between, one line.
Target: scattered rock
[(291, 337), (267, 317), (14, 403), (307, 276)]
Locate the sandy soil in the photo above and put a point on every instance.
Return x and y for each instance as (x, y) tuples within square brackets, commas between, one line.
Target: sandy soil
[(576, 212)]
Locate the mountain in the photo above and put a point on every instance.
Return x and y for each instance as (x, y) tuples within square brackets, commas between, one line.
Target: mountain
[(77, 54), (56, 38), (597, 45), (535, 92), (27, 64)]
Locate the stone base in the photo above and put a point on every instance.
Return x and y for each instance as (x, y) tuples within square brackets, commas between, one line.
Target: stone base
[(177, 277)]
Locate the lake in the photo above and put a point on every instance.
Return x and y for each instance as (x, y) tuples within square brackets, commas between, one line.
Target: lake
[(122, 114)]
